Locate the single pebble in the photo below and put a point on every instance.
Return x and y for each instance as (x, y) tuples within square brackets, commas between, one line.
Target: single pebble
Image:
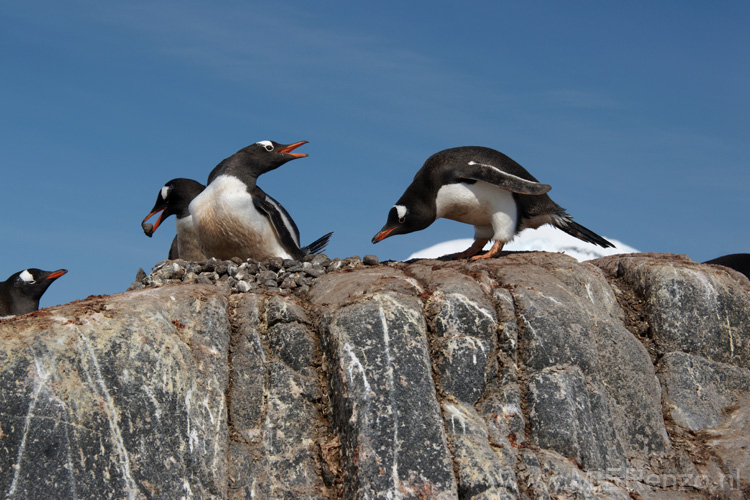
[(370, 260), (275, 263)]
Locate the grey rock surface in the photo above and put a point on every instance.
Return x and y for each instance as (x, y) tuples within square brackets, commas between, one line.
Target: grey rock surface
[(692, 308), (530, 376), (117, 397), (698, 392), (573, 419)]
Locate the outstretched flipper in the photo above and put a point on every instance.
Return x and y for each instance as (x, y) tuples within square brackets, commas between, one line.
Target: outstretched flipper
[(318, 245), (493, 175)]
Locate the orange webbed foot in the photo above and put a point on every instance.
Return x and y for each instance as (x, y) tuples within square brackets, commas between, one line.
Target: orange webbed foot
[(494, 252), (470, 252)]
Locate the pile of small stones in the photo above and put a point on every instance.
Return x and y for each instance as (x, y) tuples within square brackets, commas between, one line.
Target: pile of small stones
[(237, 276)]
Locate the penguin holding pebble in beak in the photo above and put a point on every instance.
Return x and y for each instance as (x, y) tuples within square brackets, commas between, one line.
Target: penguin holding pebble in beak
[(485, 188), (174, 199)]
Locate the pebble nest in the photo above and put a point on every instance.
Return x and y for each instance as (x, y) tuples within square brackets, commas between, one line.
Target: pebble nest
[(279, 275)]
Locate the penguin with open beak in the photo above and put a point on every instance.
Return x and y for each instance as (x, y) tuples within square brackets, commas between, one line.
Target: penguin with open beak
[(233, 217)]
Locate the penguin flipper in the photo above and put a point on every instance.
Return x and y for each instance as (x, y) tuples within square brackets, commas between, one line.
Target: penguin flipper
[(282, 223), (318, 245), (493, 175)]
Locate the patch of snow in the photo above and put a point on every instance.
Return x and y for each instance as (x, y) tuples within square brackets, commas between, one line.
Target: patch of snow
[(546, 238)]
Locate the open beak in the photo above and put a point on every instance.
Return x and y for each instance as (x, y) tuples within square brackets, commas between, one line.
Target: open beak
[(148, 228), (383, 234), (56, 274), (288, 150)]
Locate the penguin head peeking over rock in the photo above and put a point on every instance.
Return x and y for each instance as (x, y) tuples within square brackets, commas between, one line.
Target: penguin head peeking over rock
[(20, 293)]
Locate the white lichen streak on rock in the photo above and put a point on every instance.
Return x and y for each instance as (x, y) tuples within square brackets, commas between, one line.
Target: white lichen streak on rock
[(217, 422), (414, 283), (470, 303), (463, 299), (392, 400), (157, 408), (253, 487), (208, 408), (43, 375), (188, 491), (111, 413), (192, 432), (551, 299), (588, 292), (455, 413), (731, 338), (474, 342), (356, 364), (40, 381)]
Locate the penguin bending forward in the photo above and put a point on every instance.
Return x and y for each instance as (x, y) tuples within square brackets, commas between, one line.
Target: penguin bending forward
[(20, 293), (485, 188), (233, 217), (174, 198)]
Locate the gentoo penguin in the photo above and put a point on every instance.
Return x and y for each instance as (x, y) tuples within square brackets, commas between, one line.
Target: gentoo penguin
[(233, 217), (20, 293), (740, 262), (484, 188), (174, 198)]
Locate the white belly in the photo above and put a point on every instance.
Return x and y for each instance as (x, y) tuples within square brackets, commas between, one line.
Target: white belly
[(491, 210), (228, 224)]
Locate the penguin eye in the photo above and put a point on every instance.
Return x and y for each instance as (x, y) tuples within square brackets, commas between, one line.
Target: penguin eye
[(269, 148), (267, 145), (402, 219)]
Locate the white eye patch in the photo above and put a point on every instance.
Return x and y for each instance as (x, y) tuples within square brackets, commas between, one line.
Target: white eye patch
[(400, 210), (266, 144), (26, 276), (165, 191)]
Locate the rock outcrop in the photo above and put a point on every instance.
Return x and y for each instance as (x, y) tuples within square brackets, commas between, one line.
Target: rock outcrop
[(531, 376)]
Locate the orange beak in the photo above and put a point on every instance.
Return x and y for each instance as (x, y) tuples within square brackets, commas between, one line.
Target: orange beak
[(288, 150), (56, 274), (383, 234)]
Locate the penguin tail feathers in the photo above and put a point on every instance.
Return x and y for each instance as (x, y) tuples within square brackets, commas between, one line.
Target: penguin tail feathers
[(582, 233), (318, 245)]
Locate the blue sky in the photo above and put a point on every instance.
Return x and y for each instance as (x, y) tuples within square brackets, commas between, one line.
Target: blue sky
[(637, 114)]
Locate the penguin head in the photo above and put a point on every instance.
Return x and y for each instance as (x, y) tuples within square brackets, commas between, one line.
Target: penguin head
[(265, 156), (172, 199), (406, 216), (256, 159), (28, 286)]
